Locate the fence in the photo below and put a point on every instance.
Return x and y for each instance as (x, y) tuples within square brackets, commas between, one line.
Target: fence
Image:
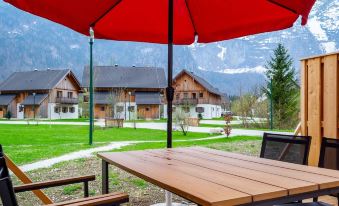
[(319, 100)]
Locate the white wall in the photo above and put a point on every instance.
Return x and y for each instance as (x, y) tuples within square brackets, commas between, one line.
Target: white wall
[(210, 111), (20, 115), (61, 115)]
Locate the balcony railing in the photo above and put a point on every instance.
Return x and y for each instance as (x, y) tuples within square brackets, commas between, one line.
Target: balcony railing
[(186, 101), (66, 100)]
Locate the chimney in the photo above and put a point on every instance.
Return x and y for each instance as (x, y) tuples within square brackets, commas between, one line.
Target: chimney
[(115, 65), (133, 66), (35, 69)]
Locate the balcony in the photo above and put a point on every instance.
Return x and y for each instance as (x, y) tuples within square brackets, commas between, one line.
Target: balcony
[(186, 101), (66, 100)]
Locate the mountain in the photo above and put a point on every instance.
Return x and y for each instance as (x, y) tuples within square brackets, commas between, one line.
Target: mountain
[(28, 42)]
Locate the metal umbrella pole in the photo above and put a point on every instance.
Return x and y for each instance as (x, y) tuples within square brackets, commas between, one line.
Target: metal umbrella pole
[(91, 112), (170, 89)]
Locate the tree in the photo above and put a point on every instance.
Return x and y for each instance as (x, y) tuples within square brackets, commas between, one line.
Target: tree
[(285, 88), (181, 120)]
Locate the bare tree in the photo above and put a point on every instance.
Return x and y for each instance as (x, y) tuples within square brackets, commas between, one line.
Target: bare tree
[(181, 120), (115, 97)]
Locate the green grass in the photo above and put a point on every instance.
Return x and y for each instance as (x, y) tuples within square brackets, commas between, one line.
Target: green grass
[(240, 126), (71, 189), (29, 143)]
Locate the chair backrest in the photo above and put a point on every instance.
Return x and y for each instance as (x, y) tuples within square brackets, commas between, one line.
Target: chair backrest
[(7, 194), (287, 148), (329, 154)]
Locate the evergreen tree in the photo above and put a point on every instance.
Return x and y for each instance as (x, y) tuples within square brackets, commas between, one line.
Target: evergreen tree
[(285, 88)]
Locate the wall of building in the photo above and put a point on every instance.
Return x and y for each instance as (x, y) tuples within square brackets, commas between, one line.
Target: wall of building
[(52, 114)]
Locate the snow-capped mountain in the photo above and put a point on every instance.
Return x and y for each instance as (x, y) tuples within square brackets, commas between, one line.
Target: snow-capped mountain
[(29, 42)]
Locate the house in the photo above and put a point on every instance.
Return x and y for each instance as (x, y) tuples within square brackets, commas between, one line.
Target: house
[(126, 92), (51, 94), (196, 96)]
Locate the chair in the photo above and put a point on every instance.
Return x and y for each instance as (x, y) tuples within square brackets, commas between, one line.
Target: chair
[(7, 191), (329, 157), (287, 148)]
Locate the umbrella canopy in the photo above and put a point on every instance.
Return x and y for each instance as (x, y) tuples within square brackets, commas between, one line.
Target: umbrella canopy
[(147, 20), (167, 22)]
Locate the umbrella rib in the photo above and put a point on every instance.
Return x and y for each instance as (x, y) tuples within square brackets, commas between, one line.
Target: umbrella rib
[(105, 13), (192, 21), (283, 6)]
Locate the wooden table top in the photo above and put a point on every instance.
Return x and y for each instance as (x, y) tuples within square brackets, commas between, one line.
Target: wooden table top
[(212, 177)]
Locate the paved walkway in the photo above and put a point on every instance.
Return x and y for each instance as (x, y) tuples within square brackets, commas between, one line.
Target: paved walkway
[(89, 152)]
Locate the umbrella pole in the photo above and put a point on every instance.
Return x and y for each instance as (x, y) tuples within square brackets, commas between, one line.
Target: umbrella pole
[(170, 89), (91, 113)]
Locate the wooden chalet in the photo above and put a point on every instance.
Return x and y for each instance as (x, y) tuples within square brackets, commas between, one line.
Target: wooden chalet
[(51, 94), (126, 92)]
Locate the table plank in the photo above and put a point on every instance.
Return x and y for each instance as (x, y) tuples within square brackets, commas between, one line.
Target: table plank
[(258, 190), (323, 181), (309, 169), (293, 186), (192, 188)]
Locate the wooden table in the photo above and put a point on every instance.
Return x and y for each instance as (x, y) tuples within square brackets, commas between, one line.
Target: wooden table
[(212, 177)]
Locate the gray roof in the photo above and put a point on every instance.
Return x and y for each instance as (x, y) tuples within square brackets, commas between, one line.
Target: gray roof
[(201, 81), (147, 98), (33, 80), (125, 77), (102, 97), (6, 99), (30, 100)]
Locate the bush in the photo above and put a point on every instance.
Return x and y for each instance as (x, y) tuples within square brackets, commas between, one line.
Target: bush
[(8, 115)]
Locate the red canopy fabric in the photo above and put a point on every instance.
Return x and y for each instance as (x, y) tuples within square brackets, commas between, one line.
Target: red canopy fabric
[(146, 20)]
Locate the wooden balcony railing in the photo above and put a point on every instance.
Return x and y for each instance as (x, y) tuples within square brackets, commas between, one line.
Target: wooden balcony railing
[(186, 101), (66, 100)]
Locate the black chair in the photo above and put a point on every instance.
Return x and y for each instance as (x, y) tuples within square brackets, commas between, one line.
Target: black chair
[(329, 157), (7, 191), (286, 148)]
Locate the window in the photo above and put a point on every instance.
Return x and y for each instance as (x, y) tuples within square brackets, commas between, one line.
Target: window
[(64, 109), (199, 109), (201, 95), (72, 109), (0, 109), (186, 109), (102, 108), (147, 109), (185, 95), (86, 98), (194, 95), (56, 109), (21, 108), (131, 108), (177, 96), (120, 108), (70, 94), (59, 94)]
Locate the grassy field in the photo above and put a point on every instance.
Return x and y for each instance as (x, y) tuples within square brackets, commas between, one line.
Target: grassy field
[(28, 143), (240, 126)]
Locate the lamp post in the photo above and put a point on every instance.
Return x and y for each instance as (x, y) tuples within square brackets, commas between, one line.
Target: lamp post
[(129, 105), (91, 112), (34, 105), (271, 102)]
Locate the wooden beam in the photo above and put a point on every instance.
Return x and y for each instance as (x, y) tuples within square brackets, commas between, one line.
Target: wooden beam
[(314, 107), (26, 180)]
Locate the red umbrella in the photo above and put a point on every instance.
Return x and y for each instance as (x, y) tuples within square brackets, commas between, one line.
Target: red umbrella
[(168, 22)]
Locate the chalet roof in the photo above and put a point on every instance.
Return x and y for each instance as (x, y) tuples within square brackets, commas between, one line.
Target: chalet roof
[(147, 98), (35, 80), (102, 97), (125, 77), (6, 99), (201, 81), (37, 100)]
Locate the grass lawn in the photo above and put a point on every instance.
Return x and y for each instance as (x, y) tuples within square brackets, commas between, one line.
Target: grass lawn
[(29, 143), (240, 126)]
